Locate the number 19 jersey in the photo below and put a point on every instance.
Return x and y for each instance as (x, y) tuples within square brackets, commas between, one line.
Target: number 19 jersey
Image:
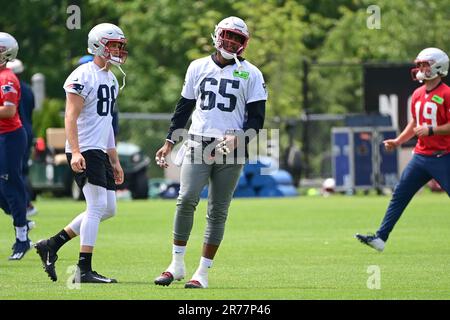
[(221, 95), (99, 90), (432, 109)]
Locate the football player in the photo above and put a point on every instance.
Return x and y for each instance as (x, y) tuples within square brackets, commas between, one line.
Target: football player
[(91, 91), (26, 107), (430, 109), (227, 95), (13, 141)]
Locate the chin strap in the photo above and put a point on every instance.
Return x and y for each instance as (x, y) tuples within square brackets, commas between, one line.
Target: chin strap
[(120, 68), (229, 56), (237, 61), (104, 68), (123, 78)]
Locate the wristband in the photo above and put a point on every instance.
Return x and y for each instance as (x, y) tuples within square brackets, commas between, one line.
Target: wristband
[(430, 131)]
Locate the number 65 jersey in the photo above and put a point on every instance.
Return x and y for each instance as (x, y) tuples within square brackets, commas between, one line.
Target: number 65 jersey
[(432, 109), (98, 88), (221, 95)]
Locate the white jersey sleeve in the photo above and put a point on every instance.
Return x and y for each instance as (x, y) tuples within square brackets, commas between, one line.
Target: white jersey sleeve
[(188, 91), (257, 87), (78, 82)]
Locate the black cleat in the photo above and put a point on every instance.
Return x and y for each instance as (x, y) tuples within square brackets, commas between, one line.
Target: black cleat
[(91, 277), (164, 279), (193, 284), (19, 249), (48, 257)]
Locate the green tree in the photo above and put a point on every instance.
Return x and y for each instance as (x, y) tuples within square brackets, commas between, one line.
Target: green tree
[(276, 47), (165, 35), (407, 26), (46, 45), (163, 38)]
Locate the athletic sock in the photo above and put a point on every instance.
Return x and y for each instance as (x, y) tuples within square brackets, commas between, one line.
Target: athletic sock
[(58, 240), (203, 267), (85, 261), (22, 233), (178, 253), (177, 263)]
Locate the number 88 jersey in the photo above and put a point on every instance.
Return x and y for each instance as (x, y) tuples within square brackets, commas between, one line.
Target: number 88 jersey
[(221, 95), (99, 90), (432, 109)]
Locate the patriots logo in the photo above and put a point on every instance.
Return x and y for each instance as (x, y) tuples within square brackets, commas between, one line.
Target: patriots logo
[(8, 88), (75, 86)]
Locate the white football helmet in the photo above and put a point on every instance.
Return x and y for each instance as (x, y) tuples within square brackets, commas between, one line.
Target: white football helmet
[(231, 37), (438, 61), (101, 37), (8, 48)]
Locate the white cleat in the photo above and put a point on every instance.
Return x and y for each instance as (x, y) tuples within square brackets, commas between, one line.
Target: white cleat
[(372, 241), (31, 224), (31, 211)]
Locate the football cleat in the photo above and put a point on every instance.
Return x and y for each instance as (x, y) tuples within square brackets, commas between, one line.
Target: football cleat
[(197, 282), (31, 224), (193, 284), (20, 248), (372, 241), (48, 257), (91, 277), (164, 279), (167, 277), (31, 211)]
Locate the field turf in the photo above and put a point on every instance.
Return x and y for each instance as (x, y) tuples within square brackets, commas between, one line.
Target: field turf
[(283, 249)]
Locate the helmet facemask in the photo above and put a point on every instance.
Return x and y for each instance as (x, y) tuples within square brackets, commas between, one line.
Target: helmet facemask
[(114, 51), (6, 55), (429, 74), (3, 58), (231, 42)]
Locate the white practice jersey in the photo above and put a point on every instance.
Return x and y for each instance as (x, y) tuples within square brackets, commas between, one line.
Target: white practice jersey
[(221, 95), (99, 88)]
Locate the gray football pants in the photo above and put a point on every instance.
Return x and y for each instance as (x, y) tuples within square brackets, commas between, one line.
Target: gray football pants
[(223, 179)]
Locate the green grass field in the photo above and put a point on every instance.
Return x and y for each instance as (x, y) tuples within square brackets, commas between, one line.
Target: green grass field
[(299, 248)]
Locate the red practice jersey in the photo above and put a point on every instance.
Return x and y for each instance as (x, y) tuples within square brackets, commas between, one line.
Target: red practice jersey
[(9, 97), (432, 109)]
